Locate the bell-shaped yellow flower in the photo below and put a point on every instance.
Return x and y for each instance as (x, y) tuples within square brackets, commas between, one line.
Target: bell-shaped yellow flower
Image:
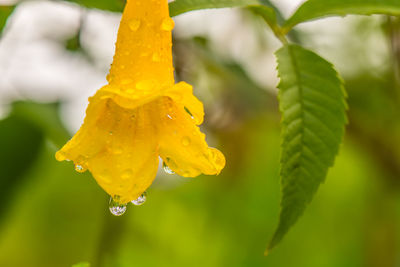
[(142, 114)]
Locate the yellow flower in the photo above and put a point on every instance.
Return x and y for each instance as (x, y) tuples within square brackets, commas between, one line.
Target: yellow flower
[(142, 114)]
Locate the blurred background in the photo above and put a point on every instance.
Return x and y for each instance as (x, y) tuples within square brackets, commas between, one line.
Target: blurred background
[(55, 54)]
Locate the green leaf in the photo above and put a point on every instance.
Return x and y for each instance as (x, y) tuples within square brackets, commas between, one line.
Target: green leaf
[(314, 9), (5, 12), (110, 5), (181, 6), (261, 7), (264, 8), (312, 102), (176, 8), (270, 17)]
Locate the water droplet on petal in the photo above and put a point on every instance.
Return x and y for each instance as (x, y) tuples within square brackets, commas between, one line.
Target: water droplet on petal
[(127, 174), (167, 169), (156, 57), (186, 174), (105, 178), (60, 156), (115, 207), (109, 77), (167, 24), (145, 85), (169, 116), (126, 81), (134, 25), (79, 168), (118, 150), (185, 141), (140, 200)]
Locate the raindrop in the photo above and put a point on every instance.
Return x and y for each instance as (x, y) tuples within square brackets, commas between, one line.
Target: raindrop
[(60, 156), (79, 168), (185, 141), (156, 57), (126, 81), (118, 150), (115, 207), (145, 85), (105, 178), (167, 24), (127, 174), (186, 174), (134, 25), (140, 200), (167, 169)]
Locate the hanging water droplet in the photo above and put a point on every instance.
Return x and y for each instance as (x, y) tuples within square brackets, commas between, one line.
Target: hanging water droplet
[(140, 200), (167, 169), (115, 207), (79, 168), (167, 24), (185, 141), (134, 25)]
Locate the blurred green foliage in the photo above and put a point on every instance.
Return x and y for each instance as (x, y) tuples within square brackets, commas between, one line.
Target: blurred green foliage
[(81, 264), (59, 217), (20, 142), (5, 12)]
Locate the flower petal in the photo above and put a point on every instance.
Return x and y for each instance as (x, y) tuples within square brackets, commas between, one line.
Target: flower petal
[(182, 93), (147, 91), (118, 146), (143, 48), (182, 146)]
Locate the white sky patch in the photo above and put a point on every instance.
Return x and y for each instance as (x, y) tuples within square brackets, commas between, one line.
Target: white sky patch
[(35, 65)]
